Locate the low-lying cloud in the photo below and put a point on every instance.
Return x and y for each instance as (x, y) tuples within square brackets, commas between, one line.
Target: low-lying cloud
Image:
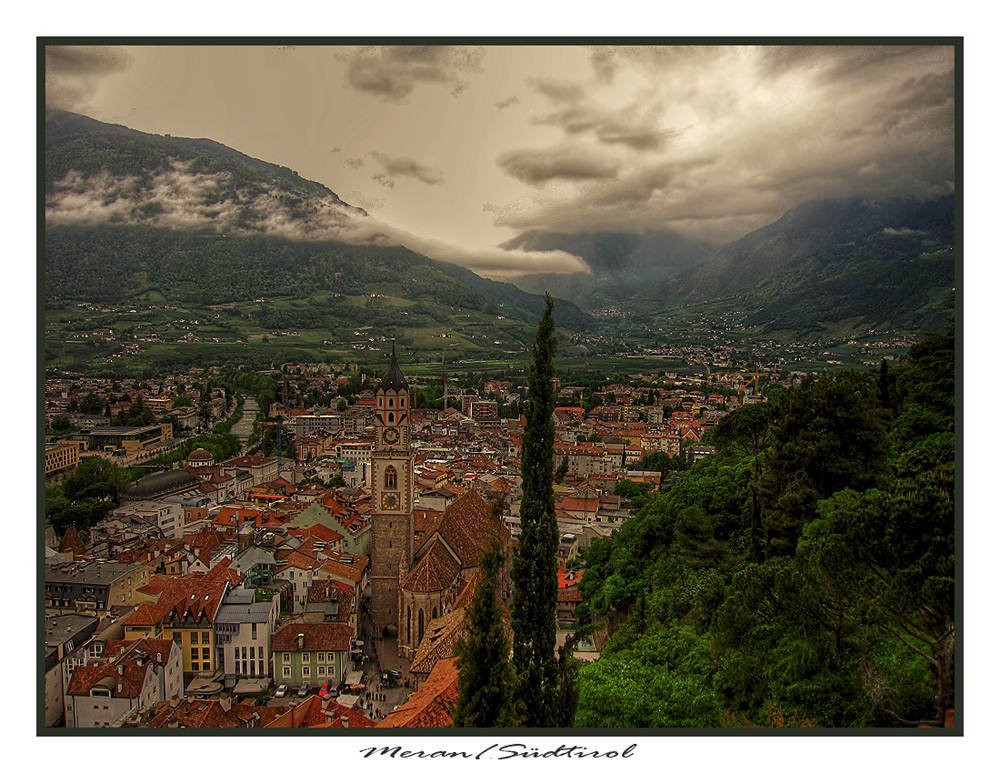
[(179, 200)]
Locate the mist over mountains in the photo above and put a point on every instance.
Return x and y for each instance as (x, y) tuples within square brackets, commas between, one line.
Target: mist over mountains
[(128, 213)]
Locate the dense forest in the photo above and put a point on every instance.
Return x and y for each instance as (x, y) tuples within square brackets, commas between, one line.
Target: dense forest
[(802, 576)]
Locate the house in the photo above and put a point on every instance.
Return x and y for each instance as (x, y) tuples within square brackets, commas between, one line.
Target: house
[(213, 714), (92, 585), (260, 468), (64, 635), (311, 653), (184, 610), (131, 677), (316, 712)]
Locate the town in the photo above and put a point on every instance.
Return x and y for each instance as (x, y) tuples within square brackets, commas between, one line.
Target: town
[(261, 590)]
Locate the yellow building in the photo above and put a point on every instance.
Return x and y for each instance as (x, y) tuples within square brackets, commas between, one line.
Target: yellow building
[(184, 610), (61, 457)]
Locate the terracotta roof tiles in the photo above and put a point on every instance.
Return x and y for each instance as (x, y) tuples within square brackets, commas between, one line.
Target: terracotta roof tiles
[(433, 704)]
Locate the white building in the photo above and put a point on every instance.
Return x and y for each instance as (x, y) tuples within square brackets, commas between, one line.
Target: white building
[(130, 677), (243, 628)]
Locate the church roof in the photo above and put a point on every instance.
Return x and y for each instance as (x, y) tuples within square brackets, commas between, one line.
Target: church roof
[(393, 379), (435, 571), (467, 526)]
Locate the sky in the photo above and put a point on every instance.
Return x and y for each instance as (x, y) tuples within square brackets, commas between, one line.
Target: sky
[(455, 149)]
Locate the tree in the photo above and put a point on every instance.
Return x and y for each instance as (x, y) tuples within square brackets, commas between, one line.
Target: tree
[(562, 470), (485, 684), (830, 435), (749, 430), (536, 590), (897, 552)]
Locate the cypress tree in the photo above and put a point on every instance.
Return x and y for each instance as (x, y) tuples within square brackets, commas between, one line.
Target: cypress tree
[(485, 684), (536, 589)]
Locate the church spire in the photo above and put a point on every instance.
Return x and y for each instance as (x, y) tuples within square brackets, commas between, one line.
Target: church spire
[(393, 379)]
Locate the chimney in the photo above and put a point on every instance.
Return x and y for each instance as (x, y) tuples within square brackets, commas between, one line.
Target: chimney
[(344, 721)]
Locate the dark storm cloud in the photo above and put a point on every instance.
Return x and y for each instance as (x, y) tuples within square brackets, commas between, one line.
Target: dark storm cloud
[(401, 166), (636, 126), (557, 90), (540, 166), (834, 63), (72, 73), (763, 130), (629, 127), (393, 72), (931, 90), (602, 59)]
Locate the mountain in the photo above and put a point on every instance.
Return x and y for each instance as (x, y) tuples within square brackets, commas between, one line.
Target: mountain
[(813, 228), (847, 264), (621, 264), (155, 222)]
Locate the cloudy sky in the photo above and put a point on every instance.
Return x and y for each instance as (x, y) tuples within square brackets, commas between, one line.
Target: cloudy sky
[(457, 148)]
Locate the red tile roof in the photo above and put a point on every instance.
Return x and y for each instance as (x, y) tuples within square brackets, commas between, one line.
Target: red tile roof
[(317, 637), (433, 704)]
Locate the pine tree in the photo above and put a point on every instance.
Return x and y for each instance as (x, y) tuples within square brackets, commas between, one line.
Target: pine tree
[(536, 589), (485, 679)]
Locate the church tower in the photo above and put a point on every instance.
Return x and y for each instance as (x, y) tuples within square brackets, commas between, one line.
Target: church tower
[(392, 497)]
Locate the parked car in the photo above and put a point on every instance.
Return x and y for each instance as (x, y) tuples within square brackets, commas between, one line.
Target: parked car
[(324, 690), (303, 690), (282, 691)]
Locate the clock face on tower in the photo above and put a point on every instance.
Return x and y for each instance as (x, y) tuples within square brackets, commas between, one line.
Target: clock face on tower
[(390, 501), (390, 435)]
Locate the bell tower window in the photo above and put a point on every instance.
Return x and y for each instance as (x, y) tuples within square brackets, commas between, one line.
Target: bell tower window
[(390, 477)]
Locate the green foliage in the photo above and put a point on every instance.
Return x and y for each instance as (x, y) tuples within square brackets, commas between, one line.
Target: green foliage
[(831, 435), (87, 494), (662, 680), (849, 624), (536, 590), (485, 683)]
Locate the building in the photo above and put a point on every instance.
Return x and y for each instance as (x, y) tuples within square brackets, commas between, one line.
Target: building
[(433, 705), (131, 440), (443, 564), (93, 586), (184, 609), (130, 678), (412, 588), (61, 458), (64, 635), (392, 497), (243, 628), (311, 653)]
